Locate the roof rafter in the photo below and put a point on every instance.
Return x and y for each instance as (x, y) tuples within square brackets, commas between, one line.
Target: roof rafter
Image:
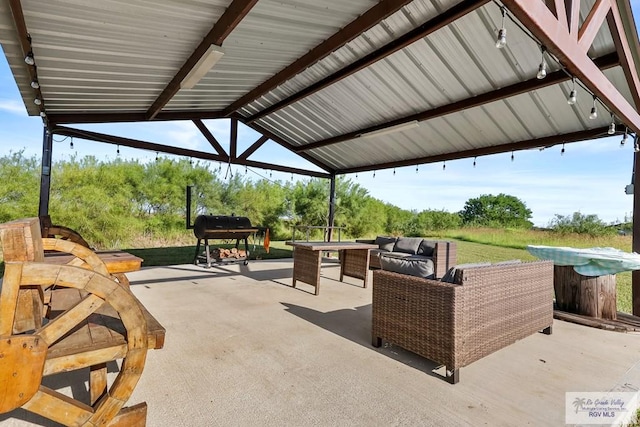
[(582, 135), (371, 17), (67, 118), (623, 47), (229, 20), (144, 145), (565, 46), (445, 18), (209, 136), (252, 149), (556, 77)]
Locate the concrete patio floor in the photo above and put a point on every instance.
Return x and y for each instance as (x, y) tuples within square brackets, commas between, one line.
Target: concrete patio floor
[(243, 348)]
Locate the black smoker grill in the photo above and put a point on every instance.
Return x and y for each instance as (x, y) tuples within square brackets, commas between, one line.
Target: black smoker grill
[(221, 227)]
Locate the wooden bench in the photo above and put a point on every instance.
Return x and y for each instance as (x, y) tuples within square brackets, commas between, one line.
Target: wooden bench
[(64, 314)]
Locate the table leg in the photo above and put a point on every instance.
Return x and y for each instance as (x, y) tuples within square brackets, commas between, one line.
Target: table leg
[(306, 267), (355, 263)]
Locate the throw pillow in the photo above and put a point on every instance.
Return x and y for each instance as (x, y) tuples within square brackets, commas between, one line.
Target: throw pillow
[(407, 245), (450, 276), (385, 243)]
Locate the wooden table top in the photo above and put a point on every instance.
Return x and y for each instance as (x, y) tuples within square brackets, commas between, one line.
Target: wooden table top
[(331, 246), (116, 261)]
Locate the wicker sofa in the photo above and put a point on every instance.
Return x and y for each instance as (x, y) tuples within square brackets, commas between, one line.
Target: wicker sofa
[(441, 254), (485, 309)]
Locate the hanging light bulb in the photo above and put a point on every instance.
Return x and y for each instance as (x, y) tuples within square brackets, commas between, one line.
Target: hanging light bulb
[(35, 84), (501, 41), (474, 162), (594, 110), (245, 169), (512, 157), (624, 137), (542, 68), (270, 174), (636, 145), (444, 165), (43, 114), (118, 150), (292, 177), (37, 101), (573, 96), (562, 151), (29, 58), (374, 174), (612, 126), (157, 154), (394, 171), (71, 143), (416, 168), (191, 161)]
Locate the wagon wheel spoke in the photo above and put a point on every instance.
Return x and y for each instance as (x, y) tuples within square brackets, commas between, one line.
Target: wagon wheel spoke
[(85, 359), (62, 324), (58, 407)]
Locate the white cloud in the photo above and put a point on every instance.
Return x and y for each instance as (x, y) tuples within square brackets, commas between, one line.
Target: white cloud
[(12, 106)]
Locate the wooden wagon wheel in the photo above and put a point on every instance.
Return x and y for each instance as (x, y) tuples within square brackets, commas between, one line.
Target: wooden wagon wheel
[(25, 358), (64, 233)]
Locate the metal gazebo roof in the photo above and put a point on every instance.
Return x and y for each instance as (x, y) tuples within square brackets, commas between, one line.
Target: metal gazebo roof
[(350, 86)]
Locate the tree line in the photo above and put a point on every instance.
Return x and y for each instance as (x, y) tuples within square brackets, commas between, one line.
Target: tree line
[(108, 202)]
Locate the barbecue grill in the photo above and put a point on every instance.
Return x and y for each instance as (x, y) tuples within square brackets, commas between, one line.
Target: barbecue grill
[(208, 227)]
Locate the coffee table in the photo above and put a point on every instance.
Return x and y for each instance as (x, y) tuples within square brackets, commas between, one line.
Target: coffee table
[(307, 259)]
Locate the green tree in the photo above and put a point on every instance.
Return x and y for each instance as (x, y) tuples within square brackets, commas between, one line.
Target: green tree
[(20, 178), (581, 224), (496, 211)]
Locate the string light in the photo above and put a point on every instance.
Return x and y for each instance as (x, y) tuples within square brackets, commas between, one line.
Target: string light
[(270, 174), (29, 59), (71, 143), (291, 176), (220, 167), (157, 154), (35, 84), (191, 161), (624, 137), (512, 157), (118, 150), (474, 162), (562, 151), (374, 173), (245, 169), (444, 165), (573, 96), (37, 101), (542, 68), (394, 171), (501, 41), (636, 146), (594, 110), (612, 126), (416, 168)]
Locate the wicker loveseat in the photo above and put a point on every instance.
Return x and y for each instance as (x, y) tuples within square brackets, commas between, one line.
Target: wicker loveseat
[(439, 253), (455, 324)]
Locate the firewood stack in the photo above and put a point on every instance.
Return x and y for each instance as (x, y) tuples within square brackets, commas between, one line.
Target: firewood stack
[(221, 253)]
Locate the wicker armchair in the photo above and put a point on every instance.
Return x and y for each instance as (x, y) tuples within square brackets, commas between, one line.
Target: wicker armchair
[(455, 324)]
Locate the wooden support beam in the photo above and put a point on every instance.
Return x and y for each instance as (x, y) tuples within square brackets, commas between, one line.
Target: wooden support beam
[(371, 17), (252, 149), (582, 135), (556, 77), (447, 17), (209, 136), (26, 47), (561, 13), (623, 47), (73, 118), (45, 173), (573, 17), (229, 20), (143, 145), (546, 28), (592, 24)]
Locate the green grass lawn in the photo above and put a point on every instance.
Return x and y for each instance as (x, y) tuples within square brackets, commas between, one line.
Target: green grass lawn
[(474, 245)]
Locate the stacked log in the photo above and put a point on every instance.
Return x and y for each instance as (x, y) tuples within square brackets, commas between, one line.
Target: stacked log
[(222, 253)]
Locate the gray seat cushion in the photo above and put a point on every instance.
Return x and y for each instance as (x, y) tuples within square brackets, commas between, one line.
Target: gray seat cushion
[(385, 243), (450, 276), (413, 265), (408, 245), (426, 248)]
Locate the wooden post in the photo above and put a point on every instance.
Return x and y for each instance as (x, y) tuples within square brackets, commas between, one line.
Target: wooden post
[(586, 295)]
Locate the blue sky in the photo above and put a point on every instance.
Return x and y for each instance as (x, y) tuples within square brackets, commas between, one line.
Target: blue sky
[(589, 178)]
